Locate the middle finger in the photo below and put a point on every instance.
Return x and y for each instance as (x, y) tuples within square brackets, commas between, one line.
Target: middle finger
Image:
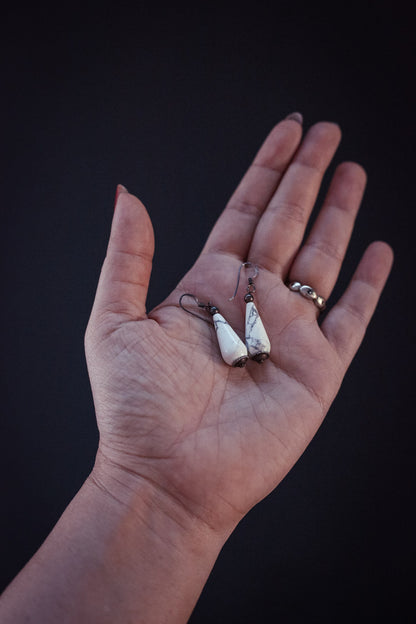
[(281, 228)]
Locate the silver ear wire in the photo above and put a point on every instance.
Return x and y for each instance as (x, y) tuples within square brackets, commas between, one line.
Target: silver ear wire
[(257, 340), (233, 350), (206, 306), (256, 272)]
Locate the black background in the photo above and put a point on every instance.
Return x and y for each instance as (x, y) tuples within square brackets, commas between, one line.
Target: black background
[(173, 103)]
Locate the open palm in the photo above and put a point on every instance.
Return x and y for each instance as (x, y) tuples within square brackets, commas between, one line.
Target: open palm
[(171, 413)]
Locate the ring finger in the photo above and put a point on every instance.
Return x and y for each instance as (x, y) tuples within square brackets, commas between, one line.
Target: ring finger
[(319, 260)]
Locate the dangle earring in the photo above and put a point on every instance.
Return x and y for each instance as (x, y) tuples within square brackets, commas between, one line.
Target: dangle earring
[(257, 341), (233, 350)]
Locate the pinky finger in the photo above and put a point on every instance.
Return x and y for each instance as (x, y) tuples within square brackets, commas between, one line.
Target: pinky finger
[(346, 323)]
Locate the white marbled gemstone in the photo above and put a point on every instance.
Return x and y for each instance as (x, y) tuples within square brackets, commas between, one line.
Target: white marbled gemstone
[(233, 350), (257, 340)]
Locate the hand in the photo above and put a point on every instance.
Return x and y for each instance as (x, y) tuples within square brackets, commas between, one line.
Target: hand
[(212, 439)]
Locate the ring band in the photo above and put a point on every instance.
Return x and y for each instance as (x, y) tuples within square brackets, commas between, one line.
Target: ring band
[(309, 293)]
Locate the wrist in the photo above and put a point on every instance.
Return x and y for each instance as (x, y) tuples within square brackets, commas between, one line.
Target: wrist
[(119, 546), (146, 503), (167, 551)]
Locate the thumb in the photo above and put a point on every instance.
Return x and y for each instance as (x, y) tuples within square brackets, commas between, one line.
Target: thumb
[(125, 274)]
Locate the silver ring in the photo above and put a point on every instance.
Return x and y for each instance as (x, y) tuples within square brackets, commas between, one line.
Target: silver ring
[(309, 293)]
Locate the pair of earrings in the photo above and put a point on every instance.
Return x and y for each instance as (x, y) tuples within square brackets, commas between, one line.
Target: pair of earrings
[(234, 352)]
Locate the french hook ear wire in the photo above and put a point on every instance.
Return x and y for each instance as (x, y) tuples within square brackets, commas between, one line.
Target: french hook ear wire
[(208, 307), (250, 279)]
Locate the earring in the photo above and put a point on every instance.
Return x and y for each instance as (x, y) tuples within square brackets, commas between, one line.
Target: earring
[(257, 340), (233, 350)]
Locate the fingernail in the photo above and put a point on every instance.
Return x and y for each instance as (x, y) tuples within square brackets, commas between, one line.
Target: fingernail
[(120, 189), (296, 117)]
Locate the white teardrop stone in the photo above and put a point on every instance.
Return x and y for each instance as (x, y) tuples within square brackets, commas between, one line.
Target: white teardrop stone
[(233, 350), (257, 341)]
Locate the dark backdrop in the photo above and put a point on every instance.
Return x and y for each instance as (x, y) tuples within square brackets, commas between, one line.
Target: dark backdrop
[(173, 103)]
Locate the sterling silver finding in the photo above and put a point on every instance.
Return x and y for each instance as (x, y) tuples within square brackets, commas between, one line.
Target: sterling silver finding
[(309, 293)]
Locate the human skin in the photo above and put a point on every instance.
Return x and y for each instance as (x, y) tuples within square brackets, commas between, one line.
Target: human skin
[(188, 445)]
